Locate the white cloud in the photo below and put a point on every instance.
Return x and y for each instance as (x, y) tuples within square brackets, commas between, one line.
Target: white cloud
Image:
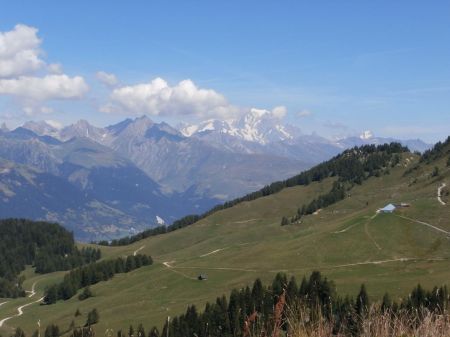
[(20, 51), (304, 113), (32, 110), (107, 79), (54, 124), (160, 99), (27, 77), (55, 68), (279, 112), (44, 88)]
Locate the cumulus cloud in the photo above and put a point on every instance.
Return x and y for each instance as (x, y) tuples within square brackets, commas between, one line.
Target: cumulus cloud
[(54, 124), (55, 68), (20, 51), (27, 77), (279, 112), (44, 88), (158, 98), (107, 79)]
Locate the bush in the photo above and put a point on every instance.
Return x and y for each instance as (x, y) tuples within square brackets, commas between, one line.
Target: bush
[(85, 294)]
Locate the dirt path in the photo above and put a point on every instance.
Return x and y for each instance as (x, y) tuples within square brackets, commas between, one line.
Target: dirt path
[(245, 221), (32, 292), (213, 252), (356, 224), (172, 269), (439, 193), (377, 262), (425, 224), (366, 229), (138, 250), (222, 268), (3, 303), (19, 311)]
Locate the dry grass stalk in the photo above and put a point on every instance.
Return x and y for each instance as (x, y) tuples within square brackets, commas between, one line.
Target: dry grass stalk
[(278, 314)]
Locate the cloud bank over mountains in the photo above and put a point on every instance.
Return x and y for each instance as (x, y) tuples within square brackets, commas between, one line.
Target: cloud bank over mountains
[(33, 83)]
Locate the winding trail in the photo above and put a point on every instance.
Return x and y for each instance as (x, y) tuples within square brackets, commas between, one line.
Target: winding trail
[(19, 311), (138, 250), (425, 224), (32, 292), (3, 303), (439, 193)]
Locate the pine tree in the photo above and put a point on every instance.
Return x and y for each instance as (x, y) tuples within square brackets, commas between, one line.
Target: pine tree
[(291, 291), (435, 172), (257, 295), (19, 333), (85, 294), (154, 332), (279, 284), (362, 301), (131, 331), (51, 295), (386, 303), (92, 317), (52, 331), (140, 331), (284, 221)]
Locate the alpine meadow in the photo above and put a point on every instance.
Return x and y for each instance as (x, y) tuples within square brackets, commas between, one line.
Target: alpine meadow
[(257, 169)]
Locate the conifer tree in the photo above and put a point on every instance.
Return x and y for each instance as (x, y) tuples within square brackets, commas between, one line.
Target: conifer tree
[(131, 331), (362, 301), (154, 332), (92, 317), (141, 331), (257, 295), (291, 291), (19, 333)]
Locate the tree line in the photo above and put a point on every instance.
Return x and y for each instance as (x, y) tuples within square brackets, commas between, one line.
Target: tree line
[(268, 306), (439, 150), (356, 166), (47, 246), (352, 165), (91, 274), (265, 309)]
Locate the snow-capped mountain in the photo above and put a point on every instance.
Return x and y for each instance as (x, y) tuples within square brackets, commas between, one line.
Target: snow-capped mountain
[(43, 128), (258, 125), (141, 170), (367, 137)]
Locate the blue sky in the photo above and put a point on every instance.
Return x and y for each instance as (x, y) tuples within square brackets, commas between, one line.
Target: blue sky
[(339, 67)]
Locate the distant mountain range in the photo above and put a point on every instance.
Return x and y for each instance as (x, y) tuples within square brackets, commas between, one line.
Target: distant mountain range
[(107, 182)]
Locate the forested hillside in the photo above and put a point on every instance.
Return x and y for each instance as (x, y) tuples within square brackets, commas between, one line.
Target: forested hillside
[(351, 167), (47, 246)]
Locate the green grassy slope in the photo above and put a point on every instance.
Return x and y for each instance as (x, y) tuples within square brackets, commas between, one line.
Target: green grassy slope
[(348, 241)]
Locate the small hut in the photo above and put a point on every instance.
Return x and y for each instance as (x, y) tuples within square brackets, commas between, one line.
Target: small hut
[(388, 208), (202, 277)]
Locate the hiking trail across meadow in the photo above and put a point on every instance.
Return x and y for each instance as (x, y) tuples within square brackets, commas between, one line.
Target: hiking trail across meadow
[(439, 193), (20, 312)]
